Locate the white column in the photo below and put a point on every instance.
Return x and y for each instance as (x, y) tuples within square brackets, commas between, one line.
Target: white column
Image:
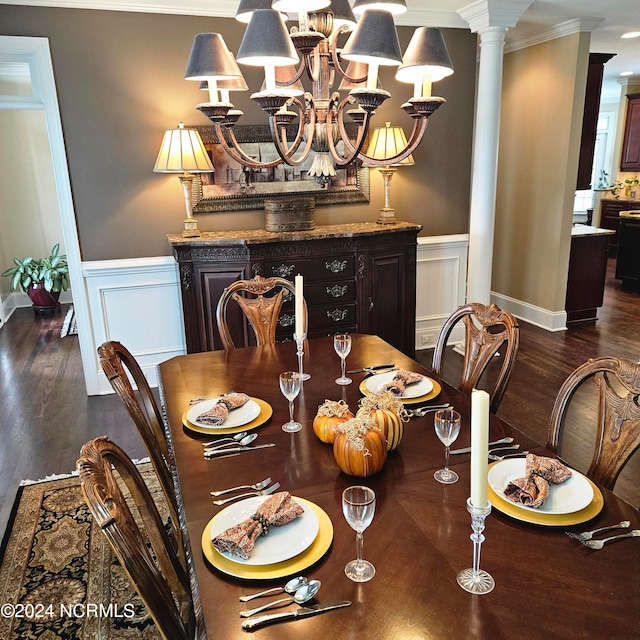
[(491, 19)]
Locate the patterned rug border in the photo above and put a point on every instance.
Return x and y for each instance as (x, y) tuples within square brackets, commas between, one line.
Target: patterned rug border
[(35, 568)]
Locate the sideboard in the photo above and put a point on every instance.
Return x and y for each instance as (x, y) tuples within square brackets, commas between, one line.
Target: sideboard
[(358, 277)]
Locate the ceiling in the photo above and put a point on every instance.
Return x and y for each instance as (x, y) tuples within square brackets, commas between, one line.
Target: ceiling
[(607, 20)]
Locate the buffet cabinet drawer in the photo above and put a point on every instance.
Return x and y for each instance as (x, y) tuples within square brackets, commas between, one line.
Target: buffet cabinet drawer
[(323, 320), (312, 269)]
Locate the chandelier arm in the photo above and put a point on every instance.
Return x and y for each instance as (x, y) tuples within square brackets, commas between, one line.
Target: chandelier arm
[(336, 59), (352, 149), (284, 151), (237, 153), (312, 69), (419, 128)]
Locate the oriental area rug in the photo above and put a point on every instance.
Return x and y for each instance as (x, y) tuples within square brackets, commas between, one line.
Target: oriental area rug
[(59, 579)]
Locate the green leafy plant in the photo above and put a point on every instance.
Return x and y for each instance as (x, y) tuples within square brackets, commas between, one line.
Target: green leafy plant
[(621, 186), (52, 272)]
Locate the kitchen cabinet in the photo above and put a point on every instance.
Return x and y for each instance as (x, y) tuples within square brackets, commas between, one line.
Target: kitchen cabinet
[(357, 278), (590, 117), (610, 217), (587, 273), (630, 158), (628, 258)]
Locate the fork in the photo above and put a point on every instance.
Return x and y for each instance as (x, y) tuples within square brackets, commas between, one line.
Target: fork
[(493, 456), (598, 544), (264, 492), (587, 535), (256, 487), (422, 411)]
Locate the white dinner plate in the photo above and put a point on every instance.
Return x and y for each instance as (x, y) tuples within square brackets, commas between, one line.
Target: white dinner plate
[(569, 496), (415, 390), (280, 544), (237, 417)]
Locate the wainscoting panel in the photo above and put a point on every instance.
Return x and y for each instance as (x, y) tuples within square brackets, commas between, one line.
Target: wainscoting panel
[(136, 302), (441, 285)]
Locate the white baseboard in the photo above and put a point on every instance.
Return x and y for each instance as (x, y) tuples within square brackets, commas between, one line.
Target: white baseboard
[(549, 320)]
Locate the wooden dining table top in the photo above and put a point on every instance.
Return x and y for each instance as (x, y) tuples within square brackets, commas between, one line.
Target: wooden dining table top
[(547, 584)]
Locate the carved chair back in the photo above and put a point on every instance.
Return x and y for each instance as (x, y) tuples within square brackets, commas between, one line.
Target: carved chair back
[(487, 330), (261, 311), (155, 570), (618, 419), (120, 368)]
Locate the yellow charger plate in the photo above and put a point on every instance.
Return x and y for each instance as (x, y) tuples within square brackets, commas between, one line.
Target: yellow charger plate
[(548, 519), (266, 411), (298, 563), (427, 396)]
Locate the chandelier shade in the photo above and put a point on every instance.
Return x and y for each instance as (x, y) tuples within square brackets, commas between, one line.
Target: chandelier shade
[(211, 59), (266, 41), (342, 14), (247, 7), (426, 56), (395, 7), (374, 41)]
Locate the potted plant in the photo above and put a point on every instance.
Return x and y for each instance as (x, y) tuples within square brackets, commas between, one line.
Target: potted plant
[(41, 279)]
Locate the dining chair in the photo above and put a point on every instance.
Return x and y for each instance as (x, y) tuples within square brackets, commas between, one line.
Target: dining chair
[(261, 311), (487, 329), (120, 367), (155, 570), (617, 428)]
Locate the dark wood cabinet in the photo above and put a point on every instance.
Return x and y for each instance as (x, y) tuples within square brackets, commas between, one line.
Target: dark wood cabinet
[(590, 117), (630, 157), (628, 259), (587, 273), (610, 217), (357, 278)]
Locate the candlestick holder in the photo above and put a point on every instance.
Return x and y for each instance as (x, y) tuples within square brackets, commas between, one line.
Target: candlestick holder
[(300, 342), (476, 580)]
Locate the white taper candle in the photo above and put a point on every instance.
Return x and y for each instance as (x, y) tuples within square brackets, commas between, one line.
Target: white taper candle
[(299, 328), (479, 447)]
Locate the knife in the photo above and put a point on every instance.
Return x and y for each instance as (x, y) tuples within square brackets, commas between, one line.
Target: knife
[(501, 441), (301, 612), (224, 452), (374, 368)]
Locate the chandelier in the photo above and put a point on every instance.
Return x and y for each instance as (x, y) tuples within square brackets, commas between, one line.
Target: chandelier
[(332, 126)]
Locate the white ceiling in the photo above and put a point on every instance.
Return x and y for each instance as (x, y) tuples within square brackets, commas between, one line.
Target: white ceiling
[(612, 17)]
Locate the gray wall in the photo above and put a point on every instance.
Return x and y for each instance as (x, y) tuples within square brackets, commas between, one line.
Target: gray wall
[(120, 83)]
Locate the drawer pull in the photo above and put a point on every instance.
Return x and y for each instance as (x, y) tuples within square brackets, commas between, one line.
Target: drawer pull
[(286, 320), (336, 266), (337, 314), (337, 291), (284, 270)]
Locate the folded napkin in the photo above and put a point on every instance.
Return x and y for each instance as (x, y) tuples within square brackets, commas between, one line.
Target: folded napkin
[(220, 410), (533, 489), (400, 381), (276, 511)]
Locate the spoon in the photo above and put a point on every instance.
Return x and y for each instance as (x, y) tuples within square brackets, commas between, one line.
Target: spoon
[(291, 587), (248, 439), (302, 595), (235, 438)]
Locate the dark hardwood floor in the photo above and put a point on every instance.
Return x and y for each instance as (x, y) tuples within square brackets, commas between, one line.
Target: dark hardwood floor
[(46, 416)]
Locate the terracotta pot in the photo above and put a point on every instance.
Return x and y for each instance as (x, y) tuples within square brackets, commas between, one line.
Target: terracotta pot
[(43, 301)]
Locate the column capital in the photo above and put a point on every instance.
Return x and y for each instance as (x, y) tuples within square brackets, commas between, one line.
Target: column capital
[(485, 14)]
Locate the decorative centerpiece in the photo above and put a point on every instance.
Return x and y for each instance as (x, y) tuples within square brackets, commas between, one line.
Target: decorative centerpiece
[(289, 214), (388, 414), (360, 448), (331, 414)]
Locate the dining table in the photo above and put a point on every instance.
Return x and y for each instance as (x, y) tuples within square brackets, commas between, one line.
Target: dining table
[(547, 585)]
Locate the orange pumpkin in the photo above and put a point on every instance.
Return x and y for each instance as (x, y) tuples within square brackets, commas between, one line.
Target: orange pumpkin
[(330, 415), (389, 422), (360, 449), (388, 415)]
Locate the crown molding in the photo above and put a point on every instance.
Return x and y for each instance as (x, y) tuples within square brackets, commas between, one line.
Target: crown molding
[(577, 25), (484, 14)]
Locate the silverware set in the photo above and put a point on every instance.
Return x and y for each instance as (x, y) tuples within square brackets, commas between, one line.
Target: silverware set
[(506, 441), (378, 368), (419, 412), (258, 492), (493, 456), (586, 537)]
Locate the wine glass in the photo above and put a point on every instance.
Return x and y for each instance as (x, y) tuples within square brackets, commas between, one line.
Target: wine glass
[(290, 386), (358, 506), (342, 345), (447, 424)]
